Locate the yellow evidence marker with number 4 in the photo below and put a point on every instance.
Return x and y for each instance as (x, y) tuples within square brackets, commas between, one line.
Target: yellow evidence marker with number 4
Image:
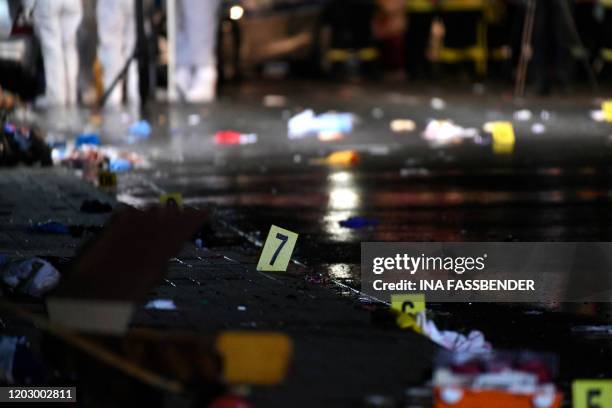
[(277, 250)]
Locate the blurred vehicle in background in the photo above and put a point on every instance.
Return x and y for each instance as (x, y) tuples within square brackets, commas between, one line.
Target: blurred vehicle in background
[(254, 32)]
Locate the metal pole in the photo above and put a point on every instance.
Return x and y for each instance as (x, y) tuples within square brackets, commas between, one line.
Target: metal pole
[(171, 47), (521, 75), (121, 75), (142, 53), (584, 57)]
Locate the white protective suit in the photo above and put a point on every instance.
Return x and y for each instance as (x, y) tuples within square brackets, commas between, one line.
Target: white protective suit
[(117, 36), (196, 62), (56, 23)]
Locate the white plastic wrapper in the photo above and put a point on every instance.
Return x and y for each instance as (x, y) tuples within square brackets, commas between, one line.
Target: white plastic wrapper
[(33, 276), (307, 123), (444, 132)]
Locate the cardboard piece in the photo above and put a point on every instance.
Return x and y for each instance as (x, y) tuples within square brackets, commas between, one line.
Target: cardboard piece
[(121, 266), (106, 317)]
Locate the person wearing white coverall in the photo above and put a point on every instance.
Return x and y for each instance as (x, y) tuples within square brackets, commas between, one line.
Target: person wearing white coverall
[(117, 37), (196, 64), (56, 23)]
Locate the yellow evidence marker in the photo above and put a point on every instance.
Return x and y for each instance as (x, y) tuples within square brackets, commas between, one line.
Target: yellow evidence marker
[(277, 250), (175, 199), (107, 179), (407, 306), (606, 107), (410, 303), (592, 394), (503, 136)]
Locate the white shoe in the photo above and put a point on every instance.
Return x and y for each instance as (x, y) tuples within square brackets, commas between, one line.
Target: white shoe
[(183, 81), (203, 85)]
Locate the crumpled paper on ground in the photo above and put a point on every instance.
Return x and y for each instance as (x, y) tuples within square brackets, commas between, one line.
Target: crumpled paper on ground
[(474, 342), (33, 276), (441, 133)]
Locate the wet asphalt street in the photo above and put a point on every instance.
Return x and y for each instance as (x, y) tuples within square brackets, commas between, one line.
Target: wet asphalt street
[(555, 185)]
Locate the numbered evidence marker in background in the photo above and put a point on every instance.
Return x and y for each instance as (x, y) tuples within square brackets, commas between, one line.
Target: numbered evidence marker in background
[(606, 107), (171, 199), (592, 394), (277, 250), (411, 303), (107, 179), (503, 136), (408, 305)]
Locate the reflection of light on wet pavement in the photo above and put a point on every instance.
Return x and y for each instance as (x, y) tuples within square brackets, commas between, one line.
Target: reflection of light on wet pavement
[(343, 199), (339, 271), (588, 195), (342, 194), (553, 196), (341, 177), (134, 201), (549, 171), (331, 224), (343, 202)]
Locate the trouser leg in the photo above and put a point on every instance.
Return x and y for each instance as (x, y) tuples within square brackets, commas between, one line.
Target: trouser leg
[(71, 16), (48, 27)]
